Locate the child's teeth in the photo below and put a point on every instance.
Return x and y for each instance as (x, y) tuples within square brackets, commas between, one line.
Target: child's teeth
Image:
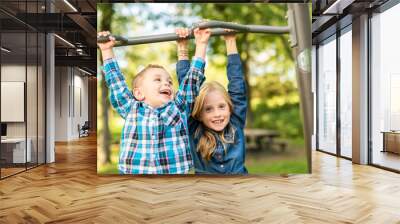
[(218, 121)]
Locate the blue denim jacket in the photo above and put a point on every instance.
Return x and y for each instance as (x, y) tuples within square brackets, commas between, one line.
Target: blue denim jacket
[(231, 162)]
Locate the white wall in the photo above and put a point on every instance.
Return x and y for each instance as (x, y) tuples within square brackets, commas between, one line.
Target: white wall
[(71, 94), (13, 73), (61, 103), (80, 110)]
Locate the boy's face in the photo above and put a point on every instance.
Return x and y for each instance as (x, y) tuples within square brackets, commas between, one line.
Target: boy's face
[(155, 89), (215, 113)]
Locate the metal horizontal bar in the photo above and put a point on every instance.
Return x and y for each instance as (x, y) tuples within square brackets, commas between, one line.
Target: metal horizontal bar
[(219, 29)]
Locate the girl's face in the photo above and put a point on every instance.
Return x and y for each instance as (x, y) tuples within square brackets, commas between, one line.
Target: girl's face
[(215, 113)]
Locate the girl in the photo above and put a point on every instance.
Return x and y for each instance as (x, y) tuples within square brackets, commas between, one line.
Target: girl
[(218, 117)]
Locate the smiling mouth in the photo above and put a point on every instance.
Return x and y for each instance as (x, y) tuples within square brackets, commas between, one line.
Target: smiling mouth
[(166, 92), (220, 121)]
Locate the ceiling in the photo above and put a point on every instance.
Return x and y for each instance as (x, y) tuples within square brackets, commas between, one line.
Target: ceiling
[(330, 15), (74, 22)]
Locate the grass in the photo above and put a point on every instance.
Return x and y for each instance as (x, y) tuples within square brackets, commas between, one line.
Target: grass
[(290, 162), (271, 161), (109, 168), (279, 167), (274, 167)]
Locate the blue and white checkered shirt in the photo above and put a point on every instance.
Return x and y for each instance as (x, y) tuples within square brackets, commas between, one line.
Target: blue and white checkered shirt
[(154, 141)]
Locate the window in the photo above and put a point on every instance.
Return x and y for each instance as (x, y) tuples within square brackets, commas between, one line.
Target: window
[(22, 67), (327, 96), (385, 86), (346, 93)]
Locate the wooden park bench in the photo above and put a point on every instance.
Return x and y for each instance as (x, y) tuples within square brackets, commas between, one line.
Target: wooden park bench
[(281, 144), (260, 139)]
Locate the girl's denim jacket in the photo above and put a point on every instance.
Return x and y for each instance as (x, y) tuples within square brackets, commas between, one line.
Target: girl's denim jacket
[(231, 159)]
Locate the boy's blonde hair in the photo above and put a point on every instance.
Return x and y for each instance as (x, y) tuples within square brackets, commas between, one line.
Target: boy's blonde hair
[(208, 140), (139, 77)]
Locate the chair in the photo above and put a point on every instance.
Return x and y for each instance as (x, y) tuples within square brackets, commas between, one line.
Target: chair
[(84, 130)]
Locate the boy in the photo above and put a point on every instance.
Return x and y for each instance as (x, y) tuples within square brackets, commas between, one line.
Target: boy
[(155, 134)]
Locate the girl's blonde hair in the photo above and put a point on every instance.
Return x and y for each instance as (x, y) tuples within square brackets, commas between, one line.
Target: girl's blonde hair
[(208, 139)]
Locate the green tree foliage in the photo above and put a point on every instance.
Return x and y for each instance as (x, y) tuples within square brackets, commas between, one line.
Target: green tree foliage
[(276, 104)]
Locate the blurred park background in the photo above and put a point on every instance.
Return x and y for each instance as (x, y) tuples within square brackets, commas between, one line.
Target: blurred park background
[(268, 66)]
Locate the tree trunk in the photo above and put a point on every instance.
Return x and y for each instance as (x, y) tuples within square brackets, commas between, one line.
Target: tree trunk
[(105, 24), (106, 129)]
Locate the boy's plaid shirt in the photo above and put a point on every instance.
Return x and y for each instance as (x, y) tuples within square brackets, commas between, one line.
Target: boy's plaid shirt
[(154, 141)]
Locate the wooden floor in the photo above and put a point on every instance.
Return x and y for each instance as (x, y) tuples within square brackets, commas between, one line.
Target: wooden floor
[(70, 191), (387, 159), (10, 171)]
